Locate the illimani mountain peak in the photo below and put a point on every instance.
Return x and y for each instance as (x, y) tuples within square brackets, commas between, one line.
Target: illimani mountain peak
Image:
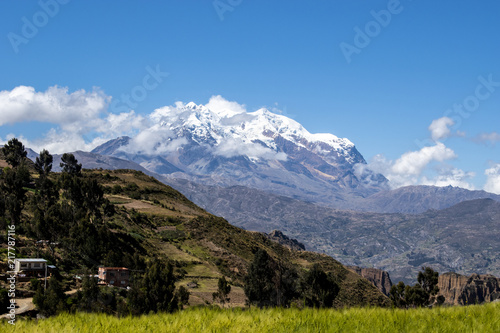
[(222, 144)]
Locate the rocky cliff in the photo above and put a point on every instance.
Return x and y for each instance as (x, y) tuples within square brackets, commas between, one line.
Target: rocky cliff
[(461, 290), (278, 237), (378, 277)]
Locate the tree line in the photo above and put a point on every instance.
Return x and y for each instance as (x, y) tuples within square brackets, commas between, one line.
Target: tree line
[(270, 282), (69, 211), (423, 293)]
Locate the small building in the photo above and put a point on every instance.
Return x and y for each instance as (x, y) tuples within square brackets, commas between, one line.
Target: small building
[(115, 276), (30, 266)]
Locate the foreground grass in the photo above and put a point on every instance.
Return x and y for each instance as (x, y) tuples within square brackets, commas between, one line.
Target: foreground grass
[(476, 318)]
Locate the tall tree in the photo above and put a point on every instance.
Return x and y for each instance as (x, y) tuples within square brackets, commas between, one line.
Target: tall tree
[(259, 286), (159, 282), (155, 292), (428, 279), (93, 195), (183, 296), (4, 300), (70, 164), (318, 288), (48, 192), (14, 152), (423, 293), (43, 164), (223, 290), (53, 300), (285, 282), (89, 294), (397, 295), (12, 184), (416, 296), (13, 181)]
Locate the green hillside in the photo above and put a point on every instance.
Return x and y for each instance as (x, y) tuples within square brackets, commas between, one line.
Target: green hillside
[(126, 218), (207, 246)]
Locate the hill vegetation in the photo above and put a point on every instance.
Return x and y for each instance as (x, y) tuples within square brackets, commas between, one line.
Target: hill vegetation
[(81, 219)]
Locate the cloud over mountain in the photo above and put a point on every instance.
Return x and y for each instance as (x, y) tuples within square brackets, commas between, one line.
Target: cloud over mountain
[(80, 118), (412, 168), (81, 121), (493, 179)]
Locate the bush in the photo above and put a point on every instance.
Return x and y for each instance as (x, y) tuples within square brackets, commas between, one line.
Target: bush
[(170, 235), (117, 189)]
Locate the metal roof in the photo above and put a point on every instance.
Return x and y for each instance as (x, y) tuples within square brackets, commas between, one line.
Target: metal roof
[(31, 260)]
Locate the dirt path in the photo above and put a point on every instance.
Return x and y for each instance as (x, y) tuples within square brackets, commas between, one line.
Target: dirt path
[(23, 305), (71, 292), (26, 304)]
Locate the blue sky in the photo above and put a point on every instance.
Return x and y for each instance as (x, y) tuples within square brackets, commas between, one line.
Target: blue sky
[(410, 68)]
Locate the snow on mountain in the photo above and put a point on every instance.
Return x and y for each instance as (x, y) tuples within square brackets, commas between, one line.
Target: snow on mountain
[(220, 143), (236, 132)]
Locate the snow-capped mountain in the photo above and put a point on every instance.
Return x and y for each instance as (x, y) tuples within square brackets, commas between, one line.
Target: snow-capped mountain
[(222, 144)]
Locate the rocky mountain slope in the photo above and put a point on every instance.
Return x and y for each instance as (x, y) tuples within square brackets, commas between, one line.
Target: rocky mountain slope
[(258, 149), (463, 290), (378, 277), (464, 238), (227, 146), (280, 238), (418, 199)]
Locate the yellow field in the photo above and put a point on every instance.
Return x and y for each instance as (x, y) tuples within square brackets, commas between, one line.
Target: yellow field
[(476, 318)]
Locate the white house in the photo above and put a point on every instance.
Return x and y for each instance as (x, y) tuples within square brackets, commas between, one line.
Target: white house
[(30, 265)]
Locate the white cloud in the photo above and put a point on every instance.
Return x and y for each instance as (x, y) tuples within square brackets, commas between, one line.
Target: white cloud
[(410, 167), (488, 138), (413, 163), (380, 164), (440, 128), (57, 142), (493, 179), (238, 119), (55, 106), (223, 107), (118, 124), (81, 122), (155, 140), (234, 147), (80, 118), (451, 176)]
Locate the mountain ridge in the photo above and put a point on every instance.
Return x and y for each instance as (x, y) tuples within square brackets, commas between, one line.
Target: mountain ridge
[(226, 146)]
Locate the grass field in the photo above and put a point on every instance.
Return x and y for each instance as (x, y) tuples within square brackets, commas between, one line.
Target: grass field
[(475, 318)]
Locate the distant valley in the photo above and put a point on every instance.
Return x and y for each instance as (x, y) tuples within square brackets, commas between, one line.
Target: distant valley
[(462, 238)]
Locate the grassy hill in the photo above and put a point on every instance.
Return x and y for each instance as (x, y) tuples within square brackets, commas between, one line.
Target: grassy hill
[(143, 218), (208, 246)]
